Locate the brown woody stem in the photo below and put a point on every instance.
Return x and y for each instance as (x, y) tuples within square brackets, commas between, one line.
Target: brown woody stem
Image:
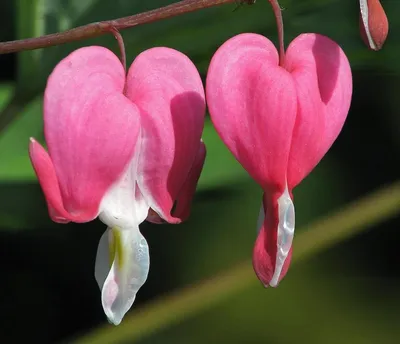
[(100, 28)]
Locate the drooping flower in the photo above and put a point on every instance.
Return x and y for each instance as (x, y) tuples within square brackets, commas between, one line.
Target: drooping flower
[(374, 25), (117, 146), (278, 115)]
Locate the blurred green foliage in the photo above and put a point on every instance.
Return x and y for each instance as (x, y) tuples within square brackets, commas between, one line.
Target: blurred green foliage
[(191, 301), (348, 294)]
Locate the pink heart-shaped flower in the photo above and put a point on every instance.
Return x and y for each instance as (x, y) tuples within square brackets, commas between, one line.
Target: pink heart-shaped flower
[(278, 121)]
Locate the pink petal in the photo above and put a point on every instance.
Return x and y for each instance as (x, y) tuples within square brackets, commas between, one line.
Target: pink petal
[(252, 103), (183, 204), (153, 217), (185, 197), (90, 128), (166, 87), (323, 80), (48, 180)]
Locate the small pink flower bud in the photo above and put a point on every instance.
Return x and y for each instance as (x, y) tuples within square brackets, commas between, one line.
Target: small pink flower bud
[(374, 24)]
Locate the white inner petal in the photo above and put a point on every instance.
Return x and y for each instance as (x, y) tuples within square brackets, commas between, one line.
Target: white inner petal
[(102, 266), (285, 234), (123, 204), (127, 252), (122, 262)]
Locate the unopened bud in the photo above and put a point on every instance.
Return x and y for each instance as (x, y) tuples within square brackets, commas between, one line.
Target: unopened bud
[(374, 24)]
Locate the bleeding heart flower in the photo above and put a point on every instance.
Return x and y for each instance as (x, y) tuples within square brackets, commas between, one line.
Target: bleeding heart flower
[(118, 146), (374, 26), (278, 120)]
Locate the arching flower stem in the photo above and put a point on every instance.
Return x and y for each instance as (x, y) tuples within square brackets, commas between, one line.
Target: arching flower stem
[(279, 23)]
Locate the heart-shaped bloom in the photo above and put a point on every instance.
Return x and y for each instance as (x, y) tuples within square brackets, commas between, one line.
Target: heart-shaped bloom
[(278, 121), (374, 25), (118, 146)]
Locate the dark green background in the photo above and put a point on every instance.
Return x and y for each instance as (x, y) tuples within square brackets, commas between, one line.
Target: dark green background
[(348, 294)]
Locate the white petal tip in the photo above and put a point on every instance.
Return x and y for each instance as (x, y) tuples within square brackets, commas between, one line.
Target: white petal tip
[(273, 284), (129, 253), (114, 320), (286, 227)]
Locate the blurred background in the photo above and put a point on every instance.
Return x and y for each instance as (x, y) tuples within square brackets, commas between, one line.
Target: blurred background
[(348, 293)]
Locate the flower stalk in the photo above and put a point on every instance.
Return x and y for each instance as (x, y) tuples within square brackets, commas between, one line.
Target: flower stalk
[(279, 24), (101, 28)]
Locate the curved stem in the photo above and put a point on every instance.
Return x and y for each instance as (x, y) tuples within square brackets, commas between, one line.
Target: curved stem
[(121, 45), (279, 23)]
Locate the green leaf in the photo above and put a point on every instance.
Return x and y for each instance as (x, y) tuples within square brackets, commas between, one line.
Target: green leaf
[(6, 91), (30, 23), (22, 205), (15, 163), (220, 165)]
